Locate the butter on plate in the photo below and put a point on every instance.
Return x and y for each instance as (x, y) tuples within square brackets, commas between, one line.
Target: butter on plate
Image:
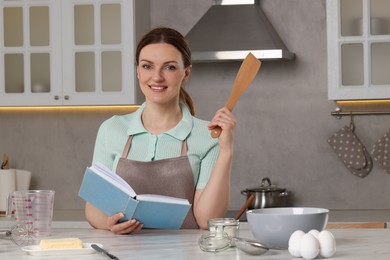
[(61, 243)]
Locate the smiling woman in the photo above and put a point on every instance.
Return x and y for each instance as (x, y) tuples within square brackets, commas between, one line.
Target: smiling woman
[(161, 73), (162, 148), (177, 60)]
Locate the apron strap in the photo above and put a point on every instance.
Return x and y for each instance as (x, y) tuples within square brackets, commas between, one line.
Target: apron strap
[(126, 150), (127, 147), (184, 147)]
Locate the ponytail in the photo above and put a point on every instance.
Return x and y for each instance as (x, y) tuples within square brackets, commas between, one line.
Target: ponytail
[(186, 99)]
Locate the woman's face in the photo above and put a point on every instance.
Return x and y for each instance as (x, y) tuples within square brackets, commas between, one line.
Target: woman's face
[(161, 73)]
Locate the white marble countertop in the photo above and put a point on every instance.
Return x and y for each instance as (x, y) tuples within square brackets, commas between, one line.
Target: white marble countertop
[(183, 244)]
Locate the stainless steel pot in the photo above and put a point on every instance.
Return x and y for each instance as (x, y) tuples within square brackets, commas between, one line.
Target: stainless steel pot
[(266, 196)]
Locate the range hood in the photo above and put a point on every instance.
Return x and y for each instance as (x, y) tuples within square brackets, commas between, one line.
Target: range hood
[(232, 28)]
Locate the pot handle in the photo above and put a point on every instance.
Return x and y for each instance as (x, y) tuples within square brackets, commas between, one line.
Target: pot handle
[(245, 192), (264, 180), (283, 194)]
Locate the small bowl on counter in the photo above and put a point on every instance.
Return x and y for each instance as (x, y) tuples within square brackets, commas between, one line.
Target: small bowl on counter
[(273, 227)]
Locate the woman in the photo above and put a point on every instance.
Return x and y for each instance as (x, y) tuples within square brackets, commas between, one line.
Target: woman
[(142, 146)]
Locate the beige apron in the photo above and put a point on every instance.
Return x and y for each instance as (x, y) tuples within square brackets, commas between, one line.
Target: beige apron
[(169, 177)]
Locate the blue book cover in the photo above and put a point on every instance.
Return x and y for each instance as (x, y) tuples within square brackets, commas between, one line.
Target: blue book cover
[(111, 196)]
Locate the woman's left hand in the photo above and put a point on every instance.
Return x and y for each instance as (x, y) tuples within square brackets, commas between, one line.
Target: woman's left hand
[(126, 227), (225, 119)]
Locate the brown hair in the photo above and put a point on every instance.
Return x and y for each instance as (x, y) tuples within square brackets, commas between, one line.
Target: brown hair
[(176, 39)]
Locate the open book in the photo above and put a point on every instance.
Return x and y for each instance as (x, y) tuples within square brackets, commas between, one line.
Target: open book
[(111, 194)]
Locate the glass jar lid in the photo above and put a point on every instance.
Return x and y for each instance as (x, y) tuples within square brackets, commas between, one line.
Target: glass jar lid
[(214, 241)]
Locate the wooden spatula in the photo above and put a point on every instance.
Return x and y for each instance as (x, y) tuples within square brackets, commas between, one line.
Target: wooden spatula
[(5, 163), (245, 206), (247, 72)]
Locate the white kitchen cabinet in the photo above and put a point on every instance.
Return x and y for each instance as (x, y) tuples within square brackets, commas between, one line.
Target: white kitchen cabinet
[(358, 49), (73, 52)]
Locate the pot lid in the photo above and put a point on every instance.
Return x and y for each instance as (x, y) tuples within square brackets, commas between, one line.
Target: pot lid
[(266, 186)]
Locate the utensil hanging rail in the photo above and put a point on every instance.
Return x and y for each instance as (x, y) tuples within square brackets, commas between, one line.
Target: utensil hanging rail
[(339, 113)]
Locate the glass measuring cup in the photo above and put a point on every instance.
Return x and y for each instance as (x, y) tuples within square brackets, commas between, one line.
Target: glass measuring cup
[(33, 211)]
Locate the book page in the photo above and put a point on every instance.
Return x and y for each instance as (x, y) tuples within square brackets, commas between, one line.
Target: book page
[(162, 198), (104, 172)]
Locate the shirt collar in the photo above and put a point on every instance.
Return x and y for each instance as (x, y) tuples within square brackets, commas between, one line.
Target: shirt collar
[(180, 131)]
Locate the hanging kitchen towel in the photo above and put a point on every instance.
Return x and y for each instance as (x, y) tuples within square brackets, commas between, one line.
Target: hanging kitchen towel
[(351, 151), (381, 152)]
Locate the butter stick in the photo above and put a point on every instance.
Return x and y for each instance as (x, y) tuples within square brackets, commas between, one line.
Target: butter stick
[(61, 243)]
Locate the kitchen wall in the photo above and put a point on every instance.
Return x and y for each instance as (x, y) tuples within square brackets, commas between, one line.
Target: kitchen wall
[(283, 121)]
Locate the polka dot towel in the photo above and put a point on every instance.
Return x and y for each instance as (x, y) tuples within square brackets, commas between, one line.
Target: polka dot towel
[(351, 151), (381, 152)]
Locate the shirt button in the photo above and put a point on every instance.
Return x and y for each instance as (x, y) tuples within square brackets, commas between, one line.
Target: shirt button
[(152, 147)]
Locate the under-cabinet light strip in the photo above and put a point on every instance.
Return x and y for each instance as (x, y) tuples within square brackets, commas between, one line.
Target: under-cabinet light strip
[(376, 102), (361, 107)]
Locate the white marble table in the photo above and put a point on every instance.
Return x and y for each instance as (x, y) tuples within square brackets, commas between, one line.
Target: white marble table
[(183, 244)]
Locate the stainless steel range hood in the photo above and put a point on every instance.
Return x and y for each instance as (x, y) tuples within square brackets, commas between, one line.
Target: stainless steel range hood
[(232, 28)]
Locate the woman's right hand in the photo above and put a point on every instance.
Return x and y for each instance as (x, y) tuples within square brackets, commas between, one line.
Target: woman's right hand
[(225, 119), (126, 227)]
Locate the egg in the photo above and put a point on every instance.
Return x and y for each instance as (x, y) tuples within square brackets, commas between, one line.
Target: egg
[(294, 243), (314, 232), (310, 247), (327, 243)]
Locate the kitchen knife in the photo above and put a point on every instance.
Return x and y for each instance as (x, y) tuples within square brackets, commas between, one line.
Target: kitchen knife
[(104, 252), (247, 72)]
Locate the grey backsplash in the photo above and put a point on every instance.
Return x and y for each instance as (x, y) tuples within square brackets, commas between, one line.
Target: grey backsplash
[(283, 121)]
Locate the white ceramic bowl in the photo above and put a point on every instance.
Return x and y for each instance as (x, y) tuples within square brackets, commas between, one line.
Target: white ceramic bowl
[(274, 226)]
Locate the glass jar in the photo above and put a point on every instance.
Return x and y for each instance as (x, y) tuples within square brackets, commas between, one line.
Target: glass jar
[(220, 235), (228, 225)]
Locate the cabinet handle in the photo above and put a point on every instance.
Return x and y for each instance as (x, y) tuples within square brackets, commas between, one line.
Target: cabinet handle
[(66, 97), (56, 97)]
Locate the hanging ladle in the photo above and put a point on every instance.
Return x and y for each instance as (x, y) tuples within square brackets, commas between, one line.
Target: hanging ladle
[(250, 247)]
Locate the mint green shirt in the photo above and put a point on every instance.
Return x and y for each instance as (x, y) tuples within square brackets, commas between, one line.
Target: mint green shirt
[(202, 148)]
